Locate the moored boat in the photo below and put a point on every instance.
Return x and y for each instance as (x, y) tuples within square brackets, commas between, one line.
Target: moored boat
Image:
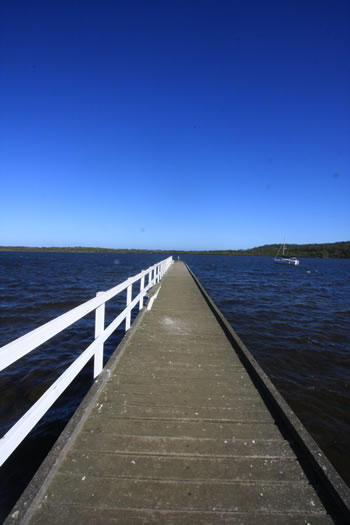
[(282, 259)]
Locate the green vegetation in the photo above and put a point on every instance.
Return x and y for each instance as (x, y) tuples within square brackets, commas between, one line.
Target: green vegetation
[(339, 250)]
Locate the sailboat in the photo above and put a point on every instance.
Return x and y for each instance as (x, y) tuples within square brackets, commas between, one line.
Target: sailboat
[(282, 259)]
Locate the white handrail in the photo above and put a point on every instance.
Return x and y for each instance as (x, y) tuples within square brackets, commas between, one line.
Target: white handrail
[(28, 342)]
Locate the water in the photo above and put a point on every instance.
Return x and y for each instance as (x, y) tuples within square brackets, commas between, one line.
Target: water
[(294, 320)]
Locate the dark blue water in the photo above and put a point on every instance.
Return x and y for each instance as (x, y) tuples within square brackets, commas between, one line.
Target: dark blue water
[(294, 320)]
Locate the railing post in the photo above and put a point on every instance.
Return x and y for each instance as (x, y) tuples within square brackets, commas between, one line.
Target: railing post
[(142, 286), (128, 301), (99, 328), (13, 351)]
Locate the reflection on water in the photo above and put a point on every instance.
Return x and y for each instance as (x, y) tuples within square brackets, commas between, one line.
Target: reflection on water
[(294, 319)]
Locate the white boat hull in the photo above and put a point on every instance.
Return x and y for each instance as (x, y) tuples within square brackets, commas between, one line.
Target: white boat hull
[(286, 260)]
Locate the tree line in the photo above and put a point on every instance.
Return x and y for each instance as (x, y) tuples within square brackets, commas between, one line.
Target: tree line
[(339, 250)]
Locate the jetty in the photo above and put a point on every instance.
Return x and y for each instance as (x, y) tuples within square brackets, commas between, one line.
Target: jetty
[(182, 426)]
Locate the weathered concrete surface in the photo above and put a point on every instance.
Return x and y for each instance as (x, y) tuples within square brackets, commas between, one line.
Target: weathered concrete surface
[(179, 434)]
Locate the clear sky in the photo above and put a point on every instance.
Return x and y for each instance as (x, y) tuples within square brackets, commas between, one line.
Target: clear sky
[(174, 124)]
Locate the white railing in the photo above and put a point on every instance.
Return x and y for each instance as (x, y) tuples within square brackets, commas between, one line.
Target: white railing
[(28, 342)]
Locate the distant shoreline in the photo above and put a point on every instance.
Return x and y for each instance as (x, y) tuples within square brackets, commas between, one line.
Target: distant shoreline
[(326, 250)]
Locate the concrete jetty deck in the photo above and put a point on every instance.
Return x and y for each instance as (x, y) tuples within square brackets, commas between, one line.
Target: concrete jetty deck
[(175, 432)]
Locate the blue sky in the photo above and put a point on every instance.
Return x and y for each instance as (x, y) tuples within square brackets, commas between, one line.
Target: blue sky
[(180, 124)]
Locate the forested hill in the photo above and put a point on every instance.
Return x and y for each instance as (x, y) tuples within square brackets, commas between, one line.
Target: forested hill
[(334, 250)]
